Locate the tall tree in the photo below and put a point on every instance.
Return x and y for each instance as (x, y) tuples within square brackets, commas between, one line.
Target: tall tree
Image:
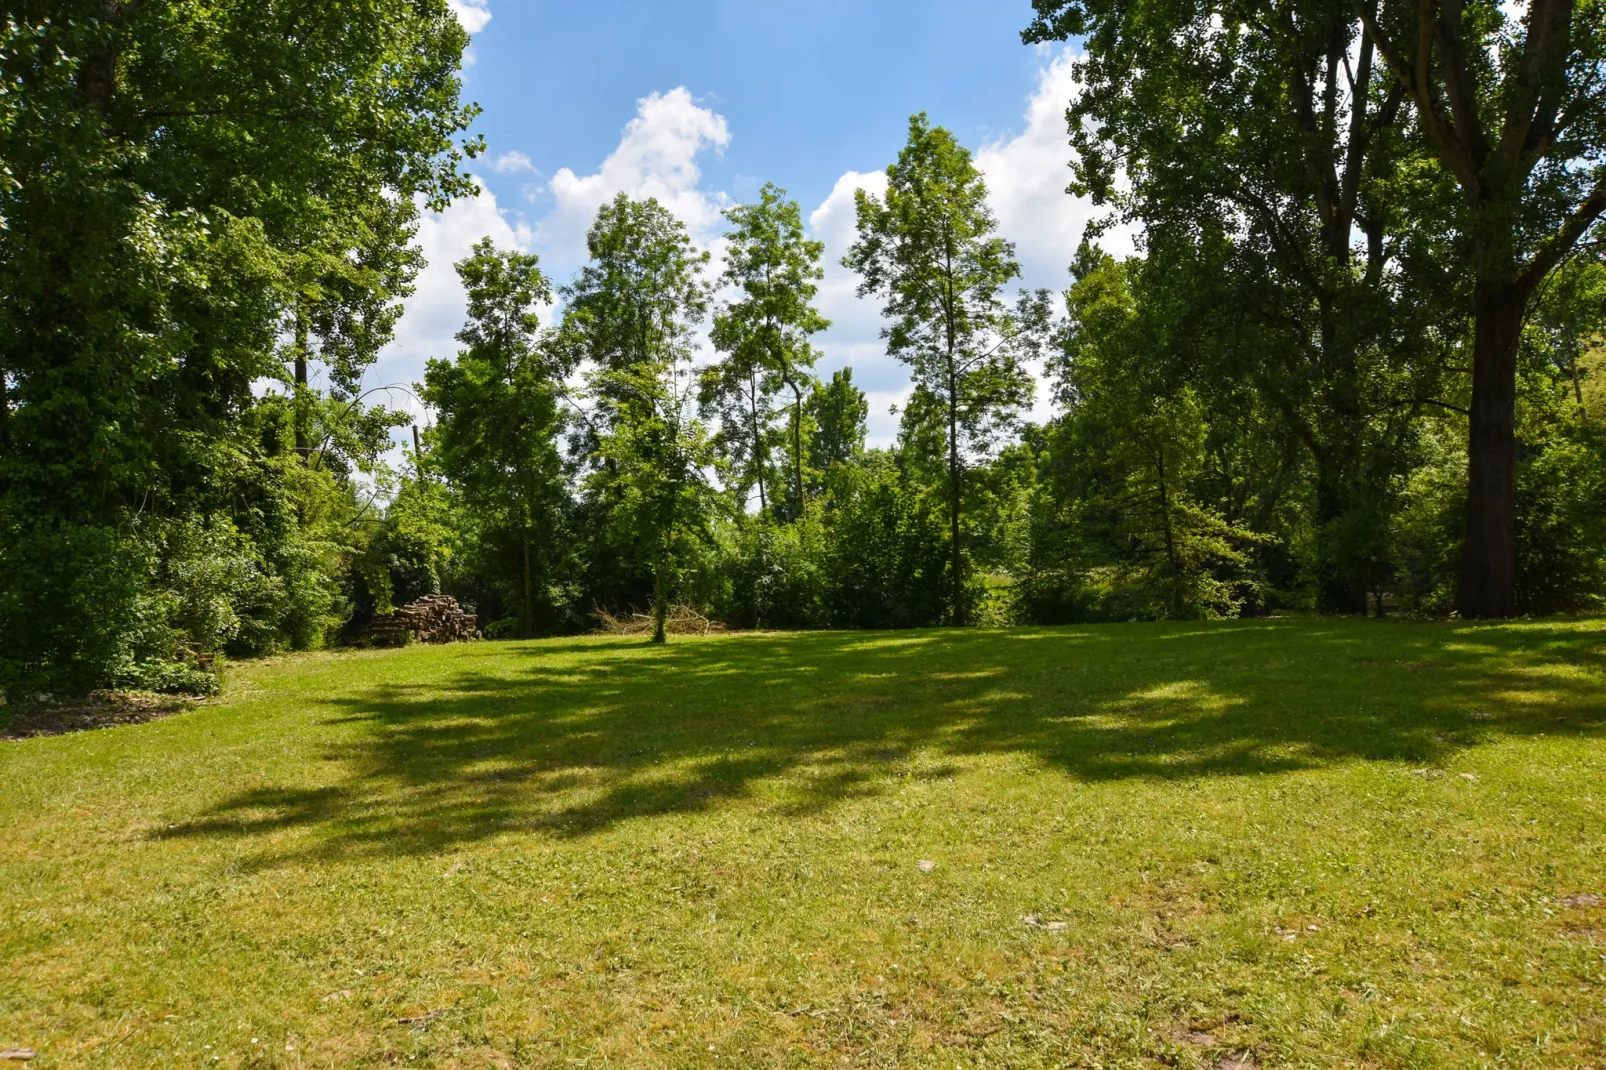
[(930, 251), (839, 410), (161, 161), (1267, 160), (765, 330), (497, 406), (1510, 97), (630, 312)]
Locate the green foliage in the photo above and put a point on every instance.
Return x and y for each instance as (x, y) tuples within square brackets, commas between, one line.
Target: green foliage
[(497, 431), (929, 250), (163, 231), (764, 336), (1125, 524), (630, 313)]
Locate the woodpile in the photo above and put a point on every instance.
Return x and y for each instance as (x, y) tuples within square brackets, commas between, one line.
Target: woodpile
[(434, 618)]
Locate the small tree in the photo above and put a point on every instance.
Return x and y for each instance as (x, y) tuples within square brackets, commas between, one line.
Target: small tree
[(838, 410), (930, 251), (497, 406), (764, 333), (630, 313)]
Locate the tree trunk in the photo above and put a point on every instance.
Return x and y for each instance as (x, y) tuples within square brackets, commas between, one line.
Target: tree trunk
[(1489, 559), (528, 626), (759, 456), (303, 446), (660, 596), (953, 500), (797, 443)]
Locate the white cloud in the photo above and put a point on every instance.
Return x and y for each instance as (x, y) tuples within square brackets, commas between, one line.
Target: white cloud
[(512, 163), (854, 339), (1026, 178), (656, 157), (436, 310), (473, 14)]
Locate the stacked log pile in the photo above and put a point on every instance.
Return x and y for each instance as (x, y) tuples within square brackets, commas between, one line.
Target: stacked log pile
[(434, 618)]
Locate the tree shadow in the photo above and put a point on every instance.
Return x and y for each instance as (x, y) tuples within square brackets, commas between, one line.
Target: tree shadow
[(568, 738)]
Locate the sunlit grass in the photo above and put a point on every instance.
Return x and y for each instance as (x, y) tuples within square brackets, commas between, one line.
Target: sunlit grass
[(1288, 843)]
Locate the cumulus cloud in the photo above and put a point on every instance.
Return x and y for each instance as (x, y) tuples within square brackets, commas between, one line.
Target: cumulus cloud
[(510, 163), (1026, 178), (656, 157), (1026, 175), (436, 310), (473, 14), (854, 339)]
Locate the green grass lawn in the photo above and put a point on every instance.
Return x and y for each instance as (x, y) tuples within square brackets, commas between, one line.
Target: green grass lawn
[(1273, 844)]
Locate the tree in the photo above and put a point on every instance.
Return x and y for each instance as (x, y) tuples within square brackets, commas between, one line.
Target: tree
[(839, 411), (630, 313), (1129, 462), (1267, 159), (163, 164), (929, 250), (765, 331), (1512, 105), (498, 418)]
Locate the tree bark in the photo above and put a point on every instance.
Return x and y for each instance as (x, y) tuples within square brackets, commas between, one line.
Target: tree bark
[(1488, 585), (660, 598), (5, 415), (954, 478), (528, 627), (759, 454), (303, 445), (797, 441)]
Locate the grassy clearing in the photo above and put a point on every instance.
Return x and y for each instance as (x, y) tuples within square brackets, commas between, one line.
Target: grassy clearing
[(1293, 843)]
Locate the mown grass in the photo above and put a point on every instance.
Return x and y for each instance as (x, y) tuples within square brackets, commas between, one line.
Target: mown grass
[(1284, 843)]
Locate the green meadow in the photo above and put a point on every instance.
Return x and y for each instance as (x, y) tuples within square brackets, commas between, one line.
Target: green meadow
[(1285, 843)]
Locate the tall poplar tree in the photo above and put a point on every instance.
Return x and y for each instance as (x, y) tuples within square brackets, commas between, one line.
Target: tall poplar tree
[(930, 251)]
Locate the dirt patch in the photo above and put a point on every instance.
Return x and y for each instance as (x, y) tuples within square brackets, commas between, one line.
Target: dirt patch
[(98, 709)]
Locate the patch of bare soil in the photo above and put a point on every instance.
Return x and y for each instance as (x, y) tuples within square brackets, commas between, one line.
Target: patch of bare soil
[(98, 709)]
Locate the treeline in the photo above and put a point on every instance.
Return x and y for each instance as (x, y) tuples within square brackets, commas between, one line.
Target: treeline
[(1358, 366)]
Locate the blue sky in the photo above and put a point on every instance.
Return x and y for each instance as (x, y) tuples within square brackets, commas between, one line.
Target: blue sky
[(699, 104)]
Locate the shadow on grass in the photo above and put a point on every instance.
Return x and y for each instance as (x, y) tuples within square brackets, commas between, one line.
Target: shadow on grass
[(568, 738)]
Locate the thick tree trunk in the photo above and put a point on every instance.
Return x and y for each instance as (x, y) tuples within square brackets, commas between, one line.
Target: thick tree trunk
[(1489, 559)]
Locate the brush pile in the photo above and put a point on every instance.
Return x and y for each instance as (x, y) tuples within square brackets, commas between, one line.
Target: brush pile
[(434, 618), (682, 620)]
